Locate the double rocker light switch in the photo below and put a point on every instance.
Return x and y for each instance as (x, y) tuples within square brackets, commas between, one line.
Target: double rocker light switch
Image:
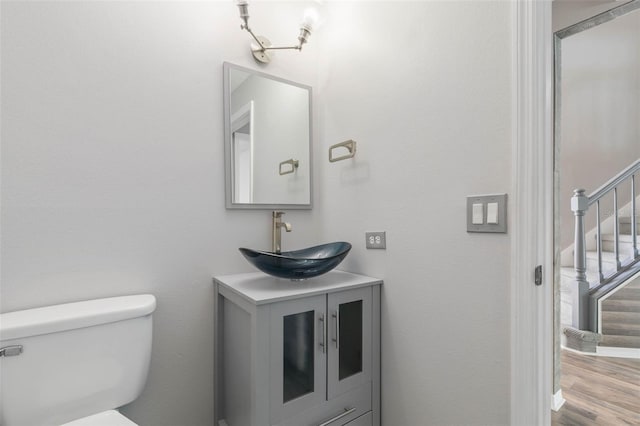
[(492, 213), (487, 213), (477, 215)]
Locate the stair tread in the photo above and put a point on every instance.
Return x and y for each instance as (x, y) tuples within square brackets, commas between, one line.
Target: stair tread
[(627, 219), (620, 341), (629, 302), (608, 262), (621, 305), (621, 329), (570, 272), (623, 238), (633, 285), (620, 317), (567, 271), (634, 326), (608, 256), (625, 294), (568, 275)]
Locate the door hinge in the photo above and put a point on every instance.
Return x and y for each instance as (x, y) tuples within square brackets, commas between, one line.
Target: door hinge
[(538, 275)]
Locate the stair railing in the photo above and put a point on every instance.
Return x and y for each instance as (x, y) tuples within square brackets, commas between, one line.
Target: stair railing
[(583, 317)]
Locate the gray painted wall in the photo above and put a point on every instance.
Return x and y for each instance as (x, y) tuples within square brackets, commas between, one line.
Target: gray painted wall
[(429, 106), (113, 170)]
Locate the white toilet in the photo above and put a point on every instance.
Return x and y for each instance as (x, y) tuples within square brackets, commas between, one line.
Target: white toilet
[(74, 364)]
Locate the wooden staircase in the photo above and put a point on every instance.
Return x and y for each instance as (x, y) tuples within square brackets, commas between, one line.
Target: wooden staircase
[(621, 317), (621, 311), (603, 274)]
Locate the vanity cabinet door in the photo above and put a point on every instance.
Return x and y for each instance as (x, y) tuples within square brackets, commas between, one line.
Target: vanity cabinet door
[(298, 356), (349, 340)]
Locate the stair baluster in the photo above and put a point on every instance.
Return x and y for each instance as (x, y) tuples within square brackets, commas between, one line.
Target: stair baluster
[(599, 241), (634, 219), (616, 229)]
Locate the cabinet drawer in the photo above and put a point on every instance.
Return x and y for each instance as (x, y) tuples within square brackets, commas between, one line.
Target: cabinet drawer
[(363, 420), (356, 402)]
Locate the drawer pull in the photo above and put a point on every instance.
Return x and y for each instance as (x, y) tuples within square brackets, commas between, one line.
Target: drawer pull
[(346, 412)]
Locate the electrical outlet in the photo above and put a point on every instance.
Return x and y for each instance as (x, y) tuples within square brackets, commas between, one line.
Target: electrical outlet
[(376, 240)]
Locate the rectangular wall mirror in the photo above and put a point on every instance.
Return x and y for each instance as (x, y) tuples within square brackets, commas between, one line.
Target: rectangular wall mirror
[(267, 141)]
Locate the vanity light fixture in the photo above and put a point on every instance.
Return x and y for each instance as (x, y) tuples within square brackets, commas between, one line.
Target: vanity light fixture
[(261, 50)]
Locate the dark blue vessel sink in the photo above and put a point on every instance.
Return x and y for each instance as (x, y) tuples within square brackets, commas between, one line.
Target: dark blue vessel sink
[(299, 264)]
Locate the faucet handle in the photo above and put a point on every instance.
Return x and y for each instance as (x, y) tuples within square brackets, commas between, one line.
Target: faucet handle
[(276, 214)]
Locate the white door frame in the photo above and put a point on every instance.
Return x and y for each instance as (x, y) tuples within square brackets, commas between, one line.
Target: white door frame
[(532, 217)]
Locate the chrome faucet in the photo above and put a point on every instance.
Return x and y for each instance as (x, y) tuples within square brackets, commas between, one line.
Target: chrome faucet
[(276, 230)]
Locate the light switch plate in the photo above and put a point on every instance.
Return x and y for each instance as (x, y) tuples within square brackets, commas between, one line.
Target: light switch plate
[(500, 215)]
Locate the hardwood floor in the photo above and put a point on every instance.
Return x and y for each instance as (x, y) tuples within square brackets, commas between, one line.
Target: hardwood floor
[(599, 391)]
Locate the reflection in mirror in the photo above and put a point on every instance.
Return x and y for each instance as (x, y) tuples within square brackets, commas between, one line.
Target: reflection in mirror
[(242, 153), (267, 123)]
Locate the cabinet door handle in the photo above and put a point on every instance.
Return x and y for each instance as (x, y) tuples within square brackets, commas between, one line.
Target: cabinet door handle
[(336, 332), (322, 333), (346, 412)]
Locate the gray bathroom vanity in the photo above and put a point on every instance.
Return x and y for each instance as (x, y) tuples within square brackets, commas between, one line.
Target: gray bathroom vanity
[(297, 353)]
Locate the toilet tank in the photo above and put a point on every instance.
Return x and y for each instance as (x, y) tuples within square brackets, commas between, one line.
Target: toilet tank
[(77, 359)]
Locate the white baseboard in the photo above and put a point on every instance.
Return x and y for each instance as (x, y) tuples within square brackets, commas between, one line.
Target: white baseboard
[(618, 352), (609, 351), (557, 400)]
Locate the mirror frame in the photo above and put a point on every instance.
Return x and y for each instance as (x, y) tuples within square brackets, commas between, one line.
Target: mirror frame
[(228, 149)]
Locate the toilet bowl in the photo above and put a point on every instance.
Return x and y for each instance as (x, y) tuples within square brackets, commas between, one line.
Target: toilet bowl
[(75, 364)]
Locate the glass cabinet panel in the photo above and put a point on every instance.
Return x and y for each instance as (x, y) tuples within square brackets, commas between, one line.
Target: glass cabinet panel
[(349, 355), (350, 339), (298, 355), (297, 359)]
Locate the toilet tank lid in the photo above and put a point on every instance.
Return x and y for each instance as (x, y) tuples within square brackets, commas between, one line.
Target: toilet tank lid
[(69, 316)]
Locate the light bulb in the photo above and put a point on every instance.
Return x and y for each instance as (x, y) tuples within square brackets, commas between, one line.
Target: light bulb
[(310, 19), (243, 7)]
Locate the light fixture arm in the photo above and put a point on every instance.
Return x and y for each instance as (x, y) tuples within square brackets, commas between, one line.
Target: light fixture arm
[(299, 47), (263, 48)]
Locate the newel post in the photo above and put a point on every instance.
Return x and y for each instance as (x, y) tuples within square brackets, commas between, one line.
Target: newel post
[(579, 206)]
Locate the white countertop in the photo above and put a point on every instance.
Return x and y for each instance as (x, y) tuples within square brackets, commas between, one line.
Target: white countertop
[(260, 288)]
